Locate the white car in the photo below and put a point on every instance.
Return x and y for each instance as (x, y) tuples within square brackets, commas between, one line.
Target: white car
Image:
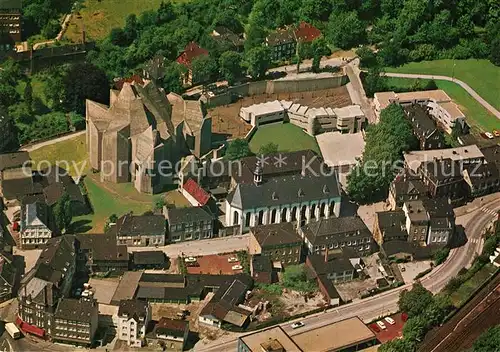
[(190, 259), (489, 135), (381, 325), (390, 320), (236, 267), (232, 260), (297, 325)]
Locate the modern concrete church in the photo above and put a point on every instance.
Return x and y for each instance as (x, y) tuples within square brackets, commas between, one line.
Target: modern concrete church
[(142, 131)]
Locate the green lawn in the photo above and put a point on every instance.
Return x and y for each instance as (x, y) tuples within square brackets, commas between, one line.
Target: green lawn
[(477, 116), (288, 137), (106, 203), (481, 75), (462, 294), (99, 17), (72, 151)]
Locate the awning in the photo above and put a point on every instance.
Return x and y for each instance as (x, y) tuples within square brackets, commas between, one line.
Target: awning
[(30, 328)]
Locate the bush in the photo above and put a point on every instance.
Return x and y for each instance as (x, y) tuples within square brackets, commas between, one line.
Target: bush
[(441, 255)]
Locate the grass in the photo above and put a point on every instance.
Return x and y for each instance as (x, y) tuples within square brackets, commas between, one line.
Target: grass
[(71, 152), (463, 293), (477, 116), (288, 137), (100, 17), (105, 203), (480, 75)]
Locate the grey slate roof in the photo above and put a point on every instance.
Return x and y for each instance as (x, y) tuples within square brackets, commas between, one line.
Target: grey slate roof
[(131, 225), (133, 308), (276, 234), (10, 4), (149, 257), (13, 160), (337, 262), (320, 232), (80, 310), (188, 215), (103, 247), (284, 190)]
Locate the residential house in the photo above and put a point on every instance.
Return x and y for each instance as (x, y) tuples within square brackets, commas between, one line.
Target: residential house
[(149, 260), (424, 128), (101, 253), (300, 189), (337, 233), (482, 178), (444, 178), (227, 37), (390, 226), (405, 187), (42, 287), (283, 42), (186, 224), (469, 154), (37, 224), (169, 334), (17, 178), (8, 276), (417, 221), (261, 269), (76, 321), (134, 317), (190, 53), (140, 230), (197, 196), (225, 305), (280, 242), (10, 24)]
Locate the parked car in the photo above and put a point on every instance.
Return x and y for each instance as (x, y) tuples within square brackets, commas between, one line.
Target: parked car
[(489, 135), (496, 133), (390, 320), (381, 325), (232, 260), (190, 259), (375, 327), (404, 317), (78, 292), (297, 325), (236, 267)]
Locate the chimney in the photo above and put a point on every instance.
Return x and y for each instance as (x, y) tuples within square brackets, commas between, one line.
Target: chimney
[(326, 254)]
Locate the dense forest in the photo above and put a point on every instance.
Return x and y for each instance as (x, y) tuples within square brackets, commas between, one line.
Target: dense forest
[(400, 30)]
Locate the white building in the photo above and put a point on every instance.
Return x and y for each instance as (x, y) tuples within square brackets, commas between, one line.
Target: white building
[(36, 229), (133, 318), (439, 104), (349, 119)]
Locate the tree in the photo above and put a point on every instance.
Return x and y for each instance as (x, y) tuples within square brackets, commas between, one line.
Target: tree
[(172, 79), (62, 212), (230, 63), (77, 121), (258, 61), (415, 329), (44, 126), (488, 341), (166, 12), (205, 69), (367, 57), (159, 203), (495, 51), (346, 30), (295, 278), (441, 255), (28, 95), (131, 28), (373, 81), (237, 149), (51, 29), (84, 81), (118, 37), (416, 300), (319, 49), (268, 148)]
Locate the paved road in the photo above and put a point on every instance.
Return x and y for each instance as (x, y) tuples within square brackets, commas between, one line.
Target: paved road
[(358, 92), (386, 303), (464, 85), (202, 247)]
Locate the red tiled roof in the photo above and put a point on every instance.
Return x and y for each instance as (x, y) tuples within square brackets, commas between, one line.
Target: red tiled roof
[(135, 78), (307, 32), (30, 328), (196, 192), (191, 51)]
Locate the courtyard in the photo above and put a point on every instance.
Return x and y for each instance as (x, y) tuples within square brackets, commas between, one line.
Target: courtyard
[(288, 137)]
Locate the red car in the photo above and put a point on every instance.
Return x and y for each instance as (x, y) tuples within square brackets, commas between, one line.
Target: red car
[(404, 317), (375, 328)]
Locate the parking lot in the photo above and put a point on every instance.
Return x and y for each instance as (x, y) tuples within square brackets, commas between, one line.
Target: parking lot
[(410, 270), (214, 265), (391, 331)]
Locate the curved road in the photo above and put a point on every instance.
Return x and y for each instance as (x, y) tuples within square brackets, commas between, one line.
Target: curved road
[(464, 85), (385, 303)]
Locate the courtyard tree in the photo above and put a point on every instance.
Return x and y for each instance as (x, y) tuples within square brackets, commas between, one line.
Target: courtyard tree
[(319, 49), (238, 149), (84, 81), (230, 63), (62, 212), (295, 278), (258, 61)]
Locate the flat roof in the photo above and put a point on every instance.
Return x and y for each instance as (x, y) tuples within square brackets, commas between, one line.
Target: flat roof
[(349, 111), (385, 98), (127, 286), (336, 336), (276, 334), (414, 158), (104, 289), (264, 108), (340, 148), (452, 109)]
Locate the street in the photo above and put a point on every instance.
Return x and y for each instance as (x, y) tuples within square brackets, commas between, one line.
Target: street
[(385, 303), (201, 247)]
